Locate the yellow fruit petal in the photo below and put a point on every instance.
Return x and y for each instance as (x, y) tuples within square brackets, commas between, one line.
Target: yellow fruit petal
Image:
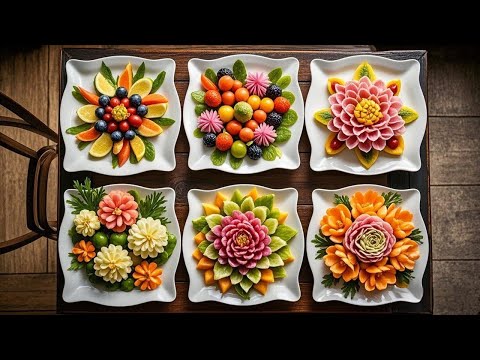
[(104, 86), (87, 113), (138, 147), (102, 146), (156, 110), (142, 87)]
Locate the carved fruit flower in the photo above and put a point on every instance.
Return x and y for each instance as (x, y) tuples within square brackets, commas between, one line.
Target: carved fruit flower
[(404, 254), (147, 237), (86, 222), (112, 263), (85, 251), (370, 203), (378, 275), (365, 114), (336, 223), (117, 210), (341, 263), (241, 241), (400, 220), (147, 276), (369, 238)]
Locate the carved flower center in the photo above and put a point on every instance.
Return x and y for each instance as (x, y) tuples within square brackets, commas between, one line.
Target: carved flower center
[(367, 112), (339, 224), (112, 266), (372, 241), (120, 112), (117, 211), (242, 240)]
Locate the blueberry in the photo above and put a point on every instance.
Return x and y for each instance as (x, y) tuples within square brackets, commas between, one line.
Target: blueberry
[(254, 152), (99, 112), (209, 139), (121, 92), (274, 119), (116, 135), (101, 125), (129, 134), (273, 91), (103, 100), (142, 110), (135, 100)]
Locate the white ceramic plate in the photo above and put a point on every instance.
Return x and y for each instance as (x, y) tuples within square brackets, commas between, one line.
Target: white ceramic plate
[(322, 200), (77, 286), (408, 71), (199, 157), (82, 73), (287, 289)]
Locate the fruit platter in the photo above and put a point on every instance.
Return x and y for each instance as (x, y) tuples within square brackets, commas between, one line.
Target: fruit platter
[(243, 114), (118, 244), (365, 115), (367, 245), (243, 245), (120, 115)]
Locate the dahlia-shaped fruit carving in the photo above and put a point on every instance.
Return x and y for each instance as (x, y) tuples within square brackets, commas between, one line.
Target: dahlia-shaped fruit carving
[(117, 210)]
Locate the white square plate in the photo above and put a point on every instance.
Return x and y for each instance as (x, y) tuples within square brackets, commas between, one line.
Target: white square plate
[(322, 200), (82, 73), (408, 71), (287, 289), (199, 157), (77, 286)]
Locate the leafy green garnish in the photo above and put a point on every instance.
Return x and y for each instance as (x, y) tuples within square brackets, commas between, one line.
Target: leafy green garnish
[(283, 134), (392, 198), (172, 242), (74, 130), (289, 96), (198, 96), (199, 223), (107, 74), (149, 149), (234, 162), (289, 118), (114, 160), (153, 206), (161, 258), (139, 74), (87, 198), (270, 153), (404, 277), (75, 264), (163, 121), (218, 157), (239, 71), (76, 237), (243, 294), (82, 144), (200, 108), (350, 288), (265, 200), (221, 271), (197, 133), (203, 245), (274, 75), (210, 74), (416, 236), (279, 272), (284, 81), (78, 96), (329, 280), (322, 243), (342, 199), (158, 82), (285, 232), (133, 158)]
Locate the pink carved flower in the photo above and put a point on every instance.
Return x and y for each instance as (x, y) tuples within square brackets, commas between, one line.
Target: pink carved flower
[(117, 210), (365, 114), (264, 135), (257, 83), (210, 122), (369, 238), (241, 241)]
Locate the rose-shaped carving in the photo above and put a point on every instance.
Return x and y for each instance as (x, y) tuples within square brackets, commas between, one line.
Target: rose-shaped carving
[(369, 238)]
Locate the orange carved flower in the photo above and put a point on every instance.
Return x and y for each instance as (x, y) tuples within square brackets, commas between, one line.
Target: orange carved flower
[(147, 276), (336, 223), (370, 203), (401, 221), (404, 254), (85, 251), (377, 275), (342, 263)]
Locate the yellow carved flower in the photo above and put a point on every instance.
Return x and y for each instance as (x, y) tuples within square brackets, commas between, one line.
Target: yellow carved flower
[(367, 112), (147, 238), (86, 223), (120, 113), (113, 263)]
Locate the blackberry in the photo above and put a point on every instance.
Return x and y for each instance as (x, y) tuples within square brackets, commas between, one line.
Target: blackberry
[(225, 71), (254, 152), (209, 139), (273, 91), (274, 119)]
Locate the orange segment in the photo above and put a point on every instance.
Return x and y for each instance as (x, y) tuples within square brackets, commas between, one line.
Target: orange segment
[(126, 77)]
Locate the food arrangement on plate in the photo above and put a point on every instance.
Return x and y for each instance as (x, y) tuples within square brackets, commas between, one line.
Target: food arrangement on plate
[(366, 115), (242, 243), (243, 114), (119, 239), (121, 114), (367, 240)]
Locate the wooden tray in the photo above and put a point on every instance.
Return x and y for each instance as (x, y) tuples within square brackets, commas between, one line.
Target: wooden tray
[(303, 179)]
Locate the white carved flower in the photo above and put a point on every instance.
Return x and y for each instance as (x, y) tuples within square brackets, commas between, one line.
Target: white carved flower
[(147, 238), (113, 263), (86, 223)]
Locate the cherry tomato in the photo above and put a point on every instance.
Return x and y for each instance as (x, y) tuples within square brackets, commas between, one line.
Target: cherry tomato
[(124, 126), (107, 117), (213, 98), (234, 127), (242, 94), (132, 110), (393, 143), (125, 102), (112, 126), (228, 98), (259, 116), (114, 102), (246, 134), (251, 124), (237, 84), (225, 83), (108, 109), (135, 120), (336, 144)]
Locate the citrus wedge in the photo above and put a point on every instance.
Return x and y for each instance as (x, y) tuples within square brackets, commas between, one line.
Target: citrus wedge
[(87, 113), (101, 146), (126, 77), (89, 135), (103, 86), (117, 147), (138, 147), (142, 87), (149, 128), (156, 110)]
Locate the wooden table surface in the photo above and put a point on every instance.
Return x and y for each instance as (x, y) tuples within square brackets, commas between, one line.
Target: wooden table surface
[(303, 179)]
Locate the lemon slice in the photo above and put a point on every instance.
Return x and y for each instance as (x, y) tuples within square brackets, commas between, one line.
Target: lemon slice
[(101, 146), (87, 113), (142, 87), (156, 110), (103, 85), (138, 147)]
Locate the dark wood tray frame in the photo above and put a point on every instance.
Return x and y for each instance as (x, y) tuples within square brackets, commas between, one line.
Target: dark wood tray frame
[(304, 179)]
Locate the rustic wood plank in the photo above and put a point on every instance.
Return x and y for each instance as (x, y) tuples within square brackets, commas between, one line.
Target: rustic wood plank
[(455, 152), (457, 292), (22, 78), (454, 81), (27, 292), (456, 213)]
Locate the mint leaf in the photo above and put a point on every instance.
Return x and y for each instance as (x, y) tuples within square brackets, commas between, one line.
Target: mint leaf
[(114, 160), (74, 130), (234, 162), (82, 144), (198, 96), (275, 74), (218, 157), (107, 74), (284, 81), (163, 121), (149, 149), (211, 75), (239, 71), (200, 108), (289, 118), (289, 96), (140, 73), (133, 158), (197, 133), (269, 153), (283, 134), (158, 82), (243, 294)]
